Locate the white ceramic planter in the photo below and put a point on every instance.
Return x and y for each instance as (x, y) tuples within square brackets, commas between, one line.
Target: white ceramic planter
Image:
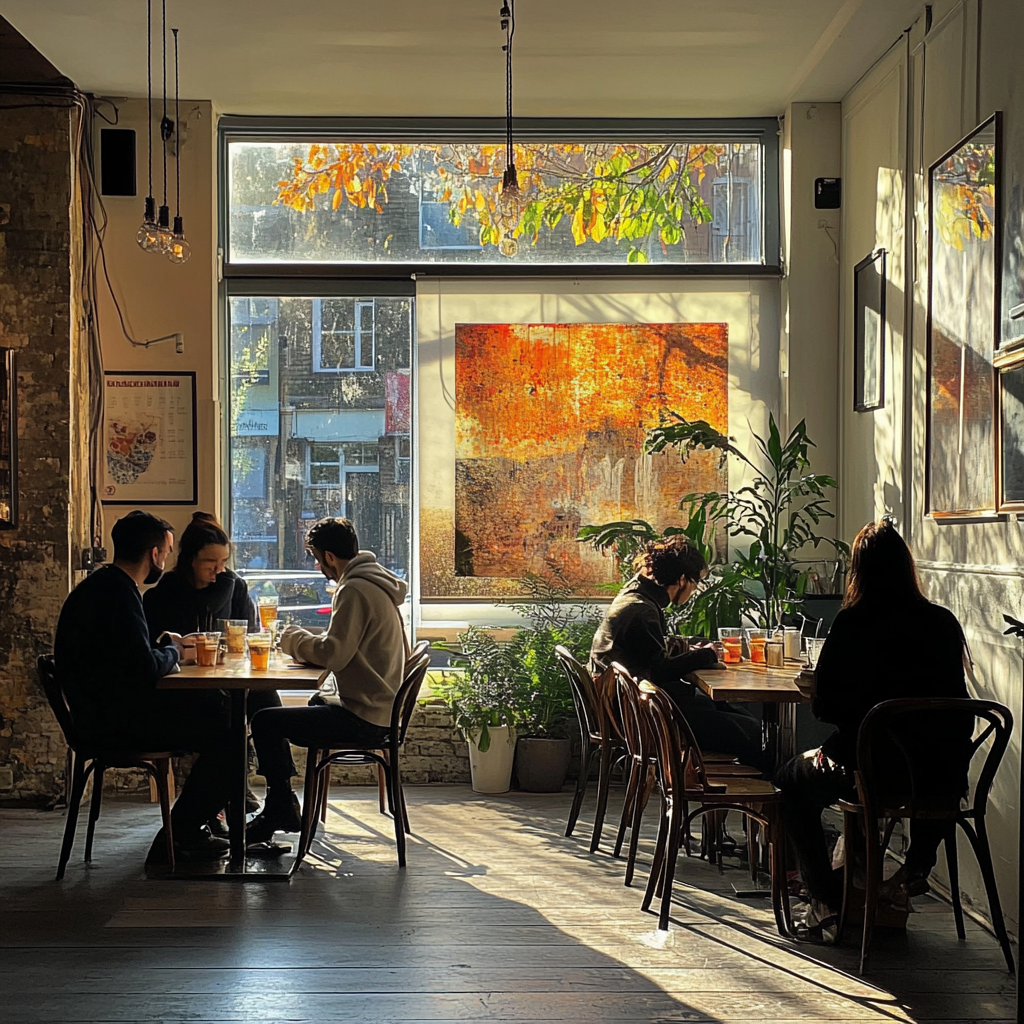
[(491, 770)]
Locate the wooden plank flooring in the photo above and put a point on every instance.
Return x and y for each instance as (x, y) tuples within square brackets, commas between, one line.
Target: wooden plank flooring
[(497, 917)]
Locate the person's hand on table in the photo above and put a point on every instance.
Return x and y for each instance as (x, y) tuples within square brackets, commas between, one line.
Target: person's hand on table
[(186, 646)]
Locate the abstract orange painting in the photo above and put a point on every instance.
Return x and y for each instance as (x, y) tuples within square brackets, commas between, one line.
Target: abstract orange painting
[(549, 428)]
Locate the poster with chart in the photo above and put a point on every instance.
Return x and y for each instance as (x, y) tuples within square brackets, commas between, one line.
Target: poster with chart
[(149, 438)]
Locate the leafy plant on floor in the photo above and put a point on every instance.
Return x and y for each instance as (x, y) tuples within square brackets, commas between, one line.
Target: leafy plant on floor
[(518, 682), (778, 513)]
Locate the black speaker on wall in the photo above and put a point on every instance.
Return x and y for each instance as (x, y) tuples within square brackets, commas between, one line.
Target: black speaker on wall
[(117, 161)]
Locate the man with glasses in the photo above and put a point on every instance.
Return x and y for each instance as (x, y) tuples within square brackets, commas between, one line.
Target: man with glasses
[(633, 633)]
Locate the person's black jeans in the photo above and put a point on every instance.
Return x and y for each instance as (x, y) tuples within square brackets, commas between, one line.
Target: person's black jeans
[(811, 782), (727, 728), (194, 721), (320, 725)]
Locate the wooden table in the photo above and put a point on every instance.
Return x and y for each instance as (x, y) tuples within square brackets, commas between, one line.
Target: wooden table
[(775, 689), (236, 675)]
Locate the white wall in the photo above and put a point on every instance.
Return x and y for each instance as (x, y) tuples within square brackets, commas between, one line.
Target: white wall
[(159, 298), (923, 97)]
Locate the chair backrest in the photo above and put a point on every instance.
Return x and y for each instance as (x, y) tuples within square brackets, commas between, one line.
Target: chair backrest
[(405, 700), (934, 741), (636, 726), (680, 764), (584, 695), (55, 695)]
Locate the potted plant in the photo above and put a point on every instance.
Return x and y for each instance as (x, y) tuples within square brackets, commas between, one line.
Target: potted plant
[(543, 749), (486, 704), (778, 513)]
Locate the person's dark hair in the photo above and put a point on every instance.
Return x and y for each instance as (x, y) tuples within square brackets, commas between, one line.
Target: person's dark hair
[(202, 530), (667, 561), (335, 535), (137, 533), (881, 566)]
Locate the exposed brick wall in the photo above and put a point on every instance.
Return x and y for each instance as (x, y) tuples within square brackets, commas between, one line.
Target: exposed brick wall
[(35, 308)]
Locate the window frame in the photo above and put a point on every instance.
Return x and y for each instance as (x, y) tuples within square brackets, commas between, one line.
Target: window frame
[(763, 130), (357, 336)]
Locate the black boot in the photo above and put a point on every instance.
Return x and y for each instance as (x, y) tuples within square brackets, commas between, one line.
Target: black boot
[(280, 814)]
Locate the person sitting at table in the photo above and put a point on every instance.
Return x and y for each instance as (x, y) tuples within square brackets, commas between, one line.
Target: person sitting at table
[(109, 669), (364, 648), (194, 595), (633, 633), (887, 641)]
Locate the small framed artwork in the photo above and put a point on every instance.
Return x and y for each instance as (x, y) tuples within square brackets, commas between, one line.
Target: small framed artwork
[(963, 324), (869, 332), (8, 439), (149, 438), (1011, 436)]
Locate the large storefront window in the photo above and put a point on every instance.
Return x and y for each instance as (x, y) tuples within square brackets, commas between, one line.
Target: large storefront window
[(319, 426)]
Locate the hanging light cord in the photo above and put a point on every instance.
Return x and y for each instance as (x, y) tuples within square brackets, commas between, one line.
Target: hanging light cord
[(149, 84), (162, 123), (177, 133), (510, 31)]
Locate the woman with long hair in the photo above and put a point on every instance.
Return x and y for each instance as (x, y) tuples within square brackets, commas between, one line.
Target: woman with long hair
[(198, 591), (887, 641)]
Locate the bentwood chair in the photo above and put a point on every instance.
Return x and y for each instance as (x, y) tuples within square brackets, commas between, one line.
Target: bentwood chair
[(600, 734), (932, 786), (94, 759), (385, 757), (683, 779), (642, 748)]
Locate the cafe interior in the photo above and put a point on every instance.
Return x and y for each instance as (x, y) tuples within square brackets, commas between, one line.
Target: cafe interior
[(447, 270)]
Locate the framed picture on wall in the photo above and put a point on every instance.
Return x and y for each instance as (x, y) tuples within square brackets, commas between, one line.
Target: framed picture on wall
[(149, 438), (1010, 398), (963, 325), (869, 332)]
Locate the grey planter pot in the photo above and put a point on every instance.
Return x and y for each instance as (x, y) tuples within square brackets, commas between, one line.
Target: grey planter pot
[(541, 764)]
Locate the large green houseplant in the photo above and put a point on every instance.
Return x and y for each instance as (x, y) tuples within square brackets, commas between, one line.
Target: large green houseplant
[(778, 514)]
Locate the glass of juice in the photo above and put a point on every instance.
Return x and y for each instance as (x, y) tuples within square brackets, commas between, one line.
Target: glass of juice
[(259, 651), (207, 648), (756, 639), (268, 610), (234, 633), (731, 640)]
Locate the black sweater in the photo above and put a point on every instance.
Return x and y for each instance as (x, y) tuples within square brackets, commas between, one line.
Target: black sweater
[(103, 654), (178, 607), (633, 634), (881, 651)]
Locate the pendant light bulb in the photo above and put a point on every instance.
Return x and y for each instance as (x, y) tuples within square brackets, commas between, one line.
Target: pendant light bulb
[(164, 234), (179, 251), (146, 236)]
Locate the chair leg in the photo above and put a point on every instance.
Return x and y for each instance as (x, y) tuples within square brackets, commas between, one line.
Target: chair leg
[(632, 787), (752, 847), (94, 808), (872, 880), (979, 841), (669, 874), (659, 855), (954, 881), (325, 782), (603, 782), (776, 837), (382, 787), (634, 829), (79, 773), (164, 780), (154, 793), (310, 806), (170, 781), (851, 839), (396, 799), (586, 759)]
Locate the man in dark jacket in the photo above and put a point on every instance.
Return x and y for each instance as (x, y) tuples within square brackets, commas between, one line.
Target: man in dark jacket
[(633, 633), (109, 670)]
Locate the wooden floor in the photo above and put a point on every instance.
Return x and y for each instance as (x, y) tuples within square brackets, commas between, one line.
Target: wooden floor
[(497, 917)]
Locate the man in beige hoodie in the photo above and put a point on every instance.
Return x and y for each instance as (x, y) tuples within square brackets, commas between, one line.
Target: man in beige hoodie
[(364, 652)]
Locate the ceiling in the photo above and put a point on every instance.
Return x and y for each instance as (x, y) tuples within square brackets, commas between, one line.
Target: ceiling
[(598, 58)]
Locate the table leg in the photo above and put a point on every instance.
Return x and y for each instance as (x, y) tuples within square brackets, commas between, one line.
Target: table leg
[(236, 807), (778, 730)]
